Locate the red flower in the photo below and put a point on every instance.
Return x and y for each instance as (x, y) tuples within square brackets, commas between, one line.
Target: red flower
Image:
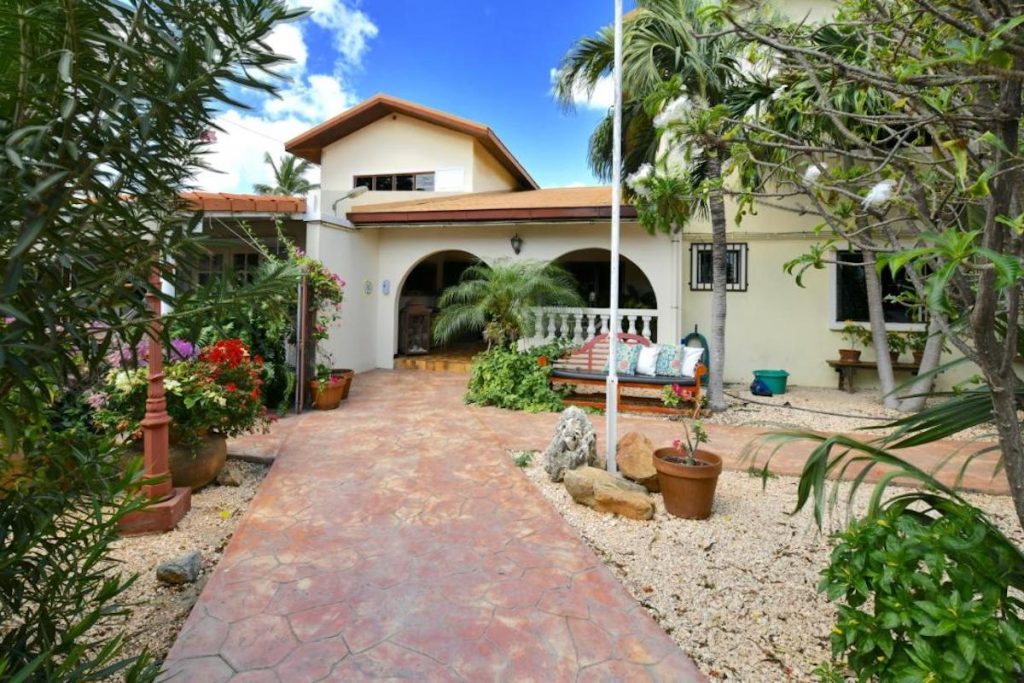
[(254, 394), (258, 360), (231, 387)]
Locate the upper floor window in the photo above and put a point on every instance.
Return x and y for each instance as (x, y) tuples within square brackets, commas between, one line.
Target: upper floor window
[(735, 267), (397, 182)]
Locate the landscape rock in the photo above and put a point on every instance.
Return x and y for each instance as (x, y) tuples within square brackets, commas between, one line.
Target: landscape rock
[(634, 455), (180, 570), (631, 504), (605, 492), (574, 444), (230, 475)]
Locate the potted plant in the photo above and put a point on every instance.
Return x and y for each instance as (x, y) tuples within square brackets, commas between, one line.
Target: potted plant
[(330, 387), (916, 342), (898, 344), (853, 335), (210, 394), (687, 475)]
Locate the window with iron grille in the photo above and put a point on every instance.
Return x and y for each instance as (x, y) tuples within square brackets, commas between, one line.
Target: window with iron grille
[(735, 267)]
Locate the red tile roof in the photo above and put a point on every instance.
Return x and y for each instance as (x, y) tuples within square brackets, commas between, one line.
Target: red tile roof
[(310, 144), (244, 203)]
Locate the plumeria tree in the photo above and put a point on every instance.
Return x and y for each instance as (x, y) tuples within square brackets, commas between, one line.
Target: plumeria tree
[(678, 76), (902, 128)]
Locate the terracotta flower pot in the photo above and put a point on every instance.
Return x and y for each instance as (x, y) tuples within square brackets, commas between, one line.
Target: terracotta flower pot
[(344, 375), (894, 356), (918, 357), (326, 396), (196, 469), (849, 355), (688, 490)]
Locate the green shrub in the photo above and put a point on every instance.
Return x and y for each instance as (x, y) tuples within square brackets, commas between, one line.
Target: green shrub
[(507, 378), (927, 597)]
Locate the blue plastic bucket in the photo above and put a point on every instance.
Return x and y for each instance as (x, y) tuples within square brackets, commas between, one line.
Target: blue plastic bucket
[(775, 380)]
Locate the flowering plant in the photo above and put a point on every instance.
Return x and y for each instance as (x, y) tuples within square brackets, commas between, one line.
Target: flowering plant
[(676, 395), (217, 391), (687, 446)]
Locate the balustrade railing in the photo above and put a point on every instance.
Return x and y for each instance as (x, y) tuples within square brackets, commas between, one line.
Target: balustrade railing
[(577, 325)]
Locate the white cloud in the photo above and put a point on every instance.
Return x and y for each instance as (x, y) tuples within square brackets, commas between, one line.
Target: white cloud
[(601, 98), (236, 157), (287, 40), (352, 28), (314, 99), (238, 152)]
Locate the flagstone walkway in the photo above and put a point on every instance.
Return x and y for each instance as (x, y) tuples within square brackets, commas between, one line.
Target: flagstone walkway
[(393, 538)]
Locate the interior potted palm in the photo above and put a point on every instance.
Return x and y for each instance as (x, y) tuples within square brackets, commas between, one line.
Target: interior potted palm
[(688, 475), (211, 395)]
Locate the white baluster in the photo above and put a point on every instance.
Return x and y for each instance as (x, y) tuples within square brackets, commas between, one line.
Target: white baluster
[(591, 320), (577, 330), (632, 324), (551, 327), (647, 326), (604, 323), (538, 333), (564, 331)]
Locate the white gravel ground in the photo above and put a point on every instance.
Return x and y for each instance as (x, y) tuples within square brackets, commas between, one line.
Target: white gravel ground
[(157, 611), (736, 591)]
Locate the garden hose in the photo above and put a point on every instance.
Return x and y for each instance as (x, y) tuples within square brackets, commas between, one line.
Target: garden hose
[(787, 404)]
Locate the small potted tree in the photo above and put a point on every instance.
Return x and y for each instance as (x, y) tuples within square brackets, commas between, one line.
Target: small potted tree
[(916, 342), (688, 475), (853, 335), (898, 343)]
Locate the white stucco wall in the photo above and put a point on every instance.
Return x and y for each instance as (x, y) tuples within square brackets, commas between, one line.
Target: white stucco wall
[(402, 248), (352, 254), (488, 174)]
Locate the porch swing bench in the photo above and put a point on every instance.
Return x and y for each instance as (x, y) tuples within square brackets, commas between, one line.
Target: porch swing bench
[(586, 366)]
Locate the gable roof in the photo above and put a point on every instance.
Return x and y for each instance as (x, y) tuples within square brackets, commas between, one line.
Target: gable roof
[(549, 205), (310, 144)]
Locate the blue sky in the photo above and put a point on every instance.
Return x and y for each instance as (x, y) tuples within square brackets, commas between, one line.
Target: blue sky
[(487, 61)]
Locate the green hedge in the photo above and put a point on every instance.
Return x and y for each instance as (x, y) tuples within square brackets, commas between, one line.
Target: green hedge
[(507, 378)]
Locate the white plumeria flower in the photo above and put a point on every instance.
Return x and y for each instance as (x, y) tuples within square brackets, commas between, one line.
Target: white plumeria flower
[(812, 173), (880, 193), (674, 112), (637, 181)]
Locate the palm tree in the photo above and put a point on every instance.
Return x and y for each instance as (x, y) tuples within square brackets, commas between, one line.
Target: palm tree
[(498, 299), (289, 176), (670, 49)]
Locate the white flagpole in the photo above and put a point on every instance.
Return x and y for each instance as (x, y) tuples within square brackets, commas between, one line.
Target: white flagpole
[(611, 391)]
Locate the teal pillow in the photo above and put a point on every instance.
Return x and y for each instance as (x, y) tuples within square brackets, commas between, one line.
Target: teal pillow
[(670, 361), (625, 359)]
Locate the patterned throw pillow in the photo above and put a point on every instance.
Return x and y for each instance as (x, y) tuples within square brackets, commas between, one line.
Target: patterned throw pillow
[(625, 359), (670, 361)]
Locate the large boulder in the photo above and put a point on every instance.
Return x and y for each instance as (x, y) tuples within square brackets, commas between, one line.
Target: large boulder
[(605, 492), (634, 455), (574, 444)]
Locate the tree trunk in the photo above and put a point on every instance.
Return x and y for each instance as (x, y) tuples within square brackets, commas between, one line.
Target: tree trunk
[(876, 314), (716, 385), (1011, 440), (929, 361)]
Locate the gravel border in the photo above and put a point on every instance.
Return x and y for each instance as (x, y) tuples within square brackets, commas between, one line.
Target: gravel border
[(736, 591)]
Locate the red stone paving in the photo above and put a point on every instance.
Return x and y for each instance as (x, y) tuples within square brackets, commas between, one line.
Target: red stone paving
[(393, 538)]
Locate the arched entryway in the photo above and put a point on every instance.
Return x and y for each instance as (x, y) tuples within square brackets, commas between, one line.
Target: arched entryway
[(591, 269), (417, 303)]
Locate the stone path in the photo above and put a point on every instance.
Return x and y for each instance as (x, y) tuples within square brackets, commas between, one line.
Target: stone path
[(394, 539)]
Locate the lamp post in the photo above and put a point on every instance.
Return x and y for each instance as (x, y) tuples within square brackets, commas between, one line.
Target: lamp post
[(167, 504), (611, 390)]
